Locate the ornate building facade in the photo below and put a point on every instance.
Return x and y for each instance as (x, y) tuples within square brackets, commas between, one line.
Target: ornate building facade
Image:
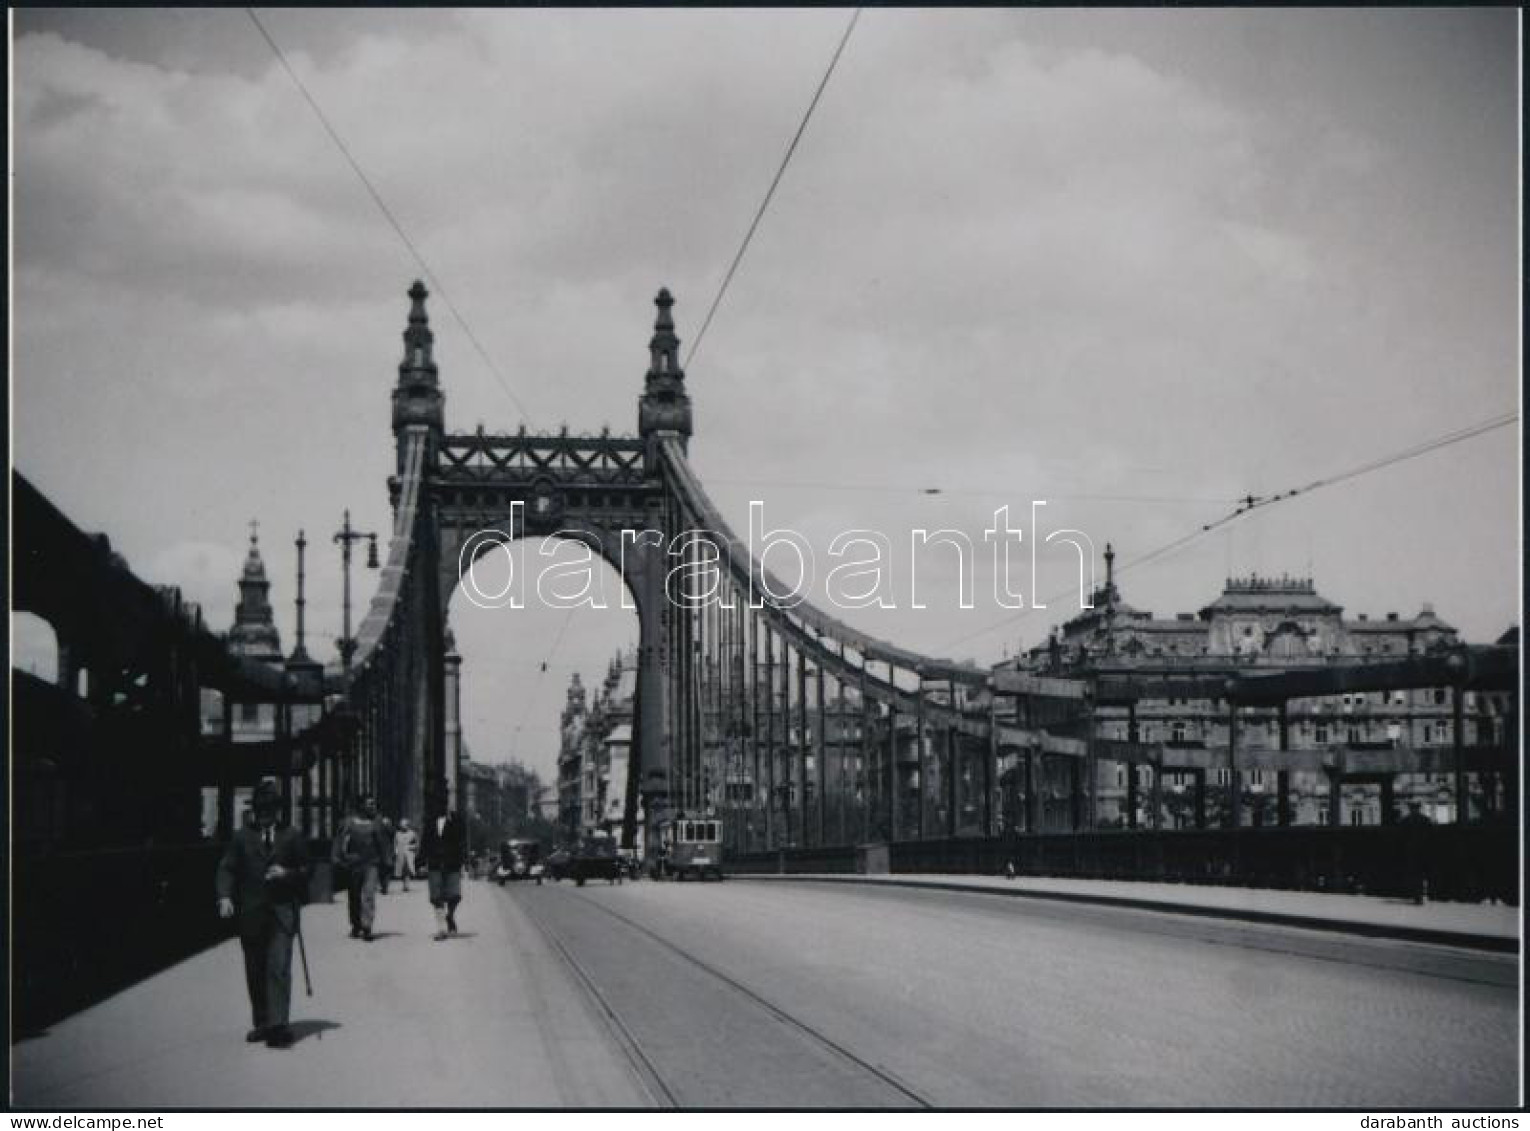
[(1264, 624), (595, 752)]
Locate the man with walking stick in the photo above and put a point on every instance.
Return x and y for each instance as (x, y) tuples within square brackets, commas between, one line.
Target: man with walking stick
[(262, 878)]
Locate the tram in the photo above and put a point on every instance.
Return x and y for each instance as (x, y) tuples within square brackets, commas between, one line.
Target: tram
[(690, 847)]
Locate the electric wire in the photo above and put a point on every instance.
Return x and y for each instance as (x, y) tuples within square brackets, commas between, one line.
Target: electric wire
[(382, 206), (536, 686), (1251, 503), (960, 492), (771, 191)]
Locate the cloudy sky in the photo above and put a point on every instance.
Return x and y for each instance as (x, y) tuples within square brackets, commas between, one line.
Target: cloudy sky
[(1137, 264)]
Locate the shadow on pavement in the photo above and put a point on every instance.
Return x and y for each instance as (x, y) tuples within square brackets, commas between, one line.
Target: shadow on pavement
[(302, 1030)]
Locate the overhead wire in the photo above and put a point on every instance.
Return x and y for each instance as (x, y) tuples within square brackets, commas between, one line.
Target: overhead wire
[(541, 672), (1251, 503), (759, 213), (959, 492), (388, 214)]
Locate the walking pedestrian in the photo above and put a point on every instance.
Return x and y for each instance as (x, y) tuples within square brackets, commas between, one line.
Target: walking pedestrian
[(359, 846), (443, 847), (405, 841), (261, 879)]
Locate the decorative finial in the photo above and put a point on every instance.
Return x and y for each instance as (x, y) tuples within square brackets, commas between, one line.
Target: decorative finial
[(254, 532), (664, 406), (417, 398), (419, 342)]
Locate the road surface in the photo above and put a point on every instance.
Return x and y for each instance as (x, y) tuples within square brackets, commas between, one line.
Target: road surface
[(757, 994)]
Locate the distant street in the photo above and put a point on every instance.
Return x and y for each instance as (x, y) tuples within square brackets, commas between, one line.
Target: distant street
[(747, 993)]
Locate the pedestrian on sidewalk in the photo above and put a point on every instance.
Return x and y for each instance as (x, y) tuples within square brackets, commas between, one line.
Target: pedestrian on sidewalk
[(262, 878), (359, 846), (1416, 857), (443, 847), (405, 841)]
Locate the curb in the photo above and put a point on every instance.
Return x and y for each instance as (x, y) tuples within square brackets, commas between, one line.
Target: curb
[(1500, 944)]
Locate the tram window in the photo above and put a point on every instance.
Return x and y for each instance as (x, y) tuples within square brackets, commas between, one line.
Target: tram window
[(712, 833)]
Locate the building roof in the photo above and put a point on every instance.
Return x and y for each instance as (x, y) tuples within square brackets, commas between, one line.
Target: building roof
[(1270, 594)]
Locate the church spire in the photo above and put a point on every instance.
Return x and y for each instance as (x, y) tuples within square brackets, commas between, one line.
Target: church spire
[(254, 633)]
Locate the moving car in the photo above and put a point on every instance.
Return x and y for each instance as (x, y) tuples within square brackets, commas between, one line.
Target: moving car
[(518, 860)]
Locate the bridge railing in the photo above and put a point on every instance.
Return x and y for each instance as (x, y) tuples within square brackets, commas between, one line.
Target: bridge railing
[(87, 923), (1465, 863)]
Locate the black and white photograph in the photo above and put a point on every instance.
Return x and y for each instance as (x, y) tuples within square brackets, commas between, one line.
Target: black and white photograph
[(765, 559)]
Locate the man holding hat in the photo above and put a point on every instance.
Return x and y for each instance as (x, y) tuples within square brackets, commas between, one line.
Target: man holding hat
[(262, 876)]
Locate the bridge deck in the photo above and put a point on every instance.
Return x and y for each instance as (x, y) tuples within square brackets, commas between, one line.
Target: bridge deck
[(1028, 999)]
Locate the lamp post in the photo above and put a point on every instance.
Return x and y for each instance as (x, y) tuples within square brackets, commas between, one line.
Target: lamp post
[(345, 536)]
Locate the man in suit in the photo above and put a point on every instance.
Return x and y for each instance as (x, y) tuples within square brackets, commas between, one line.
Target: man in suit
[(443, 847), (262, 878)]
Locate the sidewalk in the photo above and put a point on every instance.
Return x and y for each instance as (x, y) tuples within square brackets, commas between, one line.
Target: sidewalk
[(488, 1019), (1481, 926)]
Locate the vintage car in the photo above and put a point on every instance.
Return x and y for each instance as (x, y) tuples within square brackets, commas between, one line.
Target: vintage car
[(557, 866), (518, 860), (596, 858)]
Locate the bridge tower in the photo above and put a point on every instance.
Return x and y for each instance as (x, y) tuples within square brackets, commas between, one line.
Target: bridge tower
[(457, 496), (664, 412), (421, 767)]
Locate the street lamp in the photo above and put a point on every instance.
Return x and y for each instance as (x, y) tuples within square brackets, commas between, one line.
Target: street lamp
[(345, 536)]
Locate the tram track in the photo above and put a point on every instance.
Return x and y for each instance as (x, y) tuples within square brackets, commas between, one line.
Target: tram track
[(626, 1030), (652, 1080)]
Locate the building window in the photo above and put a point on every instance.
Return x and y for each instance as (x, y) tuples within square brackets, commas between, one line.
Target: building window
[(1179, 732), (1439, 695), (1320, 734)]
